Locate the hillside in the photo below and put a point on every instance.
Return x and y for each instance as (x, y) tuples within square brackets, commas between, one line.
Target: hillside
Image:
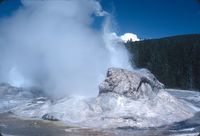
[(174, 60)]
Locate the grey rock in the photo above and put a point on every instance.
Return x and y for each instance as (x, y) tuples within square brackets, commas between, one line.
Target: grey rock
[(49, 117), (133, 84)]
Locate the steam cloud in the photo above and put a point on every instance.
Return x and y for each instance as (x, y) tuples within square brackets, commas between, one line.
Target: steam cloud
[(52, 45)]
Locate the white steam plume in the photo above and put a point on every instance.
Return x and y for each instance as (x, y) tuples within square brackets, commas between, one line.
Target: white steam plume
[(118, 54), (52, 45)]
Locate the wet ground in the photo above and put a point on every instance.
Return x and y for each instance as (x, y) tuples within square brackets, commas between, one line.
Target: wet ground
[(11, 125)]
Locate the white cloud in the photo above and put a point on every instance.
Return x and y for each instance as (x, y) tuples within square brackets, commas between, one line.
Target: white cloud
[(129, 36)]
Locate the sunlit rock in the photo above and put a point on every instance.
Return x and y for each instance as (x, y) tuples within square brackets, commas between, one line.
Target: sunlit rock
[(138, 99), (133, 84)]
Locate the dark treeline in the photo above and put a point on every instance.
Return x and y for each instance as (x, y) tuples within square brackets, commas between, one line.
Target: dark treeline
[(174, 60)]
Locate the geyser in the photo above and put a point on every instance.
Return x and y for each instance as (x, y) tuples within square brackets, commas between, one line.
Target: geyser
[(53, 46)]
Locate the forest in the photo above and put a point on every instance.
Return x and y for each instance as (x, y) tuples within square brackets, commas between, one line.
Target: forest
[(175, 61)]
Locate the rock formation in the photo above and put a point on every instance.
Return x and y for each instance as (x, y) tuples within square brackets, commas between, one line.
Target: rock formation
[(130, 84), (49, 117)]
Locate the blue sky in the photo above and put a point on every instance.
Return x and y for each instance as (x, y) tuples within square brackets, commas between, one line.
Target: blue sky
[(146, 18), (155, 18)]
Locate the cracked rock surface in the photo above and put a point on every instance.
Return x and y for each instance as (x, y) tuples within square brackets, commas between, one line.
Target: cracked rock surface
[(133, 84)]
